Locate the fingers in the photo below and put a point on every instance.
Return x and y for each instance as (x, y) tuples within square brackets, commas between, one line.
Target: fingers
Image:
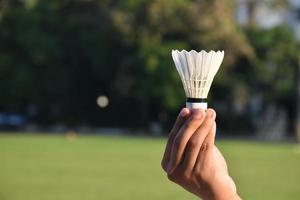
[(183, 115), (210, 138), (207, 148), (200, 140), (183, 136)]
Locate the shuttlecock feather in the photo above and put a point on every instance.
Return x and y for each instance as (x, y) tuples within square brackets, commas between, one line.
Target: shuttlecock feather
[(197, 71)]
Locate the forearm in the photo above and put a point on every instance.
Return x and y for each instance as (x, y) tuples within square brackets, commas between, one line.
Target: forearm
[(220, 188), (225, 197)]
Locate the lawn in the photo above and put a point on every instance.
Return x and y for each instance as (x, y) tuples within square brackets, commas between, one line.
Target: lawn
[(45, 167)]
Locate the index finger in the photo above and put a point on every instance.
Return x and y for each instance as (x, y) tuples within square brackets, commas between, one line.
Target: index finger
[(183, 115)]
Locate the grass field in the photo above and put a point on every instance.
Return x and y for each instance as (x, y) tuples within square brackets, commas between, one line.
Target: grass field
[(36, 167)]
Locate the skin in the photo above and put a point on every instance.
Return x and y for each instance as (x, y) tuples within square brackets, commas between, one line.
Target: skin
[(192, 160)]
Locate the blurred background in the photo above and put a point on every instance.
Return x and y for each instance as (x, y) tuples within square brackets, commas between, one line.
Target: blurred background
[(88, 90)]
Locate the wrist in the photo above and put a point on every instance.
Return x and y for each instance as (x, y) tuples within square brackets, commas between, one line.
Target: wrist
[(222, 189)]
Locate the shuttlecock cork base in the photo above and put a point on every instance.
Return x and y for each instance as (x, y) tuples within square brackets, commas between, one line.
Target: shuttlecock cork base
[(195, 103), (197, 71)]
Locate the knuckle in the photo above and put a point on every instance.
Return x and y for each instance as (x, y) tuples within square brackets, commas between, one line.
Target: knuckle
[(201, 176), (179, 177), (193, 142), (208, 123), (177, 140), (204, 147), (197, 119), (193, 123), (172, 177), (188, 125), (204, 176), (185, 176)]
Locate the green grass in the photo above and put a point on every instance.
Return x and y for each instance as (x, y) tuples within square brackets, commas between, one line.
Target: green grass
[(36, 167)]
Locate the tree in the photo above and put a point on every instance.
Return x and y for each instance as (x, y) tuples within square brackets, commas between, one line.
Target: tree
[(275, 71), (62, 54), (156, 27), (297, 124)]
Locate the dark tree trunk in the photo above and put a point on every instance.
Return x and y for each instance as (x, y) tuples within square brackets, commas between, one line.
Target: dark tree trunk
[(297, 125), (251, 4)]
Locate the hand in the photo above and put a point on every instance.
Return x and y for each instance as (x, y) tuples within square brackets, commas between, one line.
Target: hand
[(192, 160)]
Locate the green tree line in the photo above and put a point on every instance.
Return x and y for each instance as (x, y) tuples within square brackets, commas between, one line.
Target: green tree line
[(60, 55)]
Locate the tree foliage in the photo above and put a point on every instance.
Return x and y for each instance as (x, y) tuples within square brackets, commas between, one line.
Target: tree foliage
[(59, 55)]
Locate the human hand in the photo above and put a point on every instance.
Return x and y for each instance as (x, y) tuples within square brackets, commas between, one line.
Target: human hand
[(192, 160)]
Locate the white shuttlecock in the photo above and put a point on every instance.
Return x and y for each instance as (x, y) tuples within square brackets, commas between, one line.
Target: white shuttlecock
[(197, 71)]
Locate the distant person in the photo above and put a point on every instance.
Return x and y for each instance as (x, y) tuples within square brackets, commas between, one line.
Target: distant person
[(192, 160)]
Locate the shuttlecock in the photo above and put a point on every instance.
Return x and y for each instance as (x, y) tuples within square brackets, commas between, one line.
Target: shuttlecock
[(197, 71)]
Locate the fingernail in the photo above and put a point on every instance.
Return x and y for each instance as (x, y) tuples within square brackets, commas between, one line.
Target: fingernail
[(183, 112), (197, 113), (210, 114)]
